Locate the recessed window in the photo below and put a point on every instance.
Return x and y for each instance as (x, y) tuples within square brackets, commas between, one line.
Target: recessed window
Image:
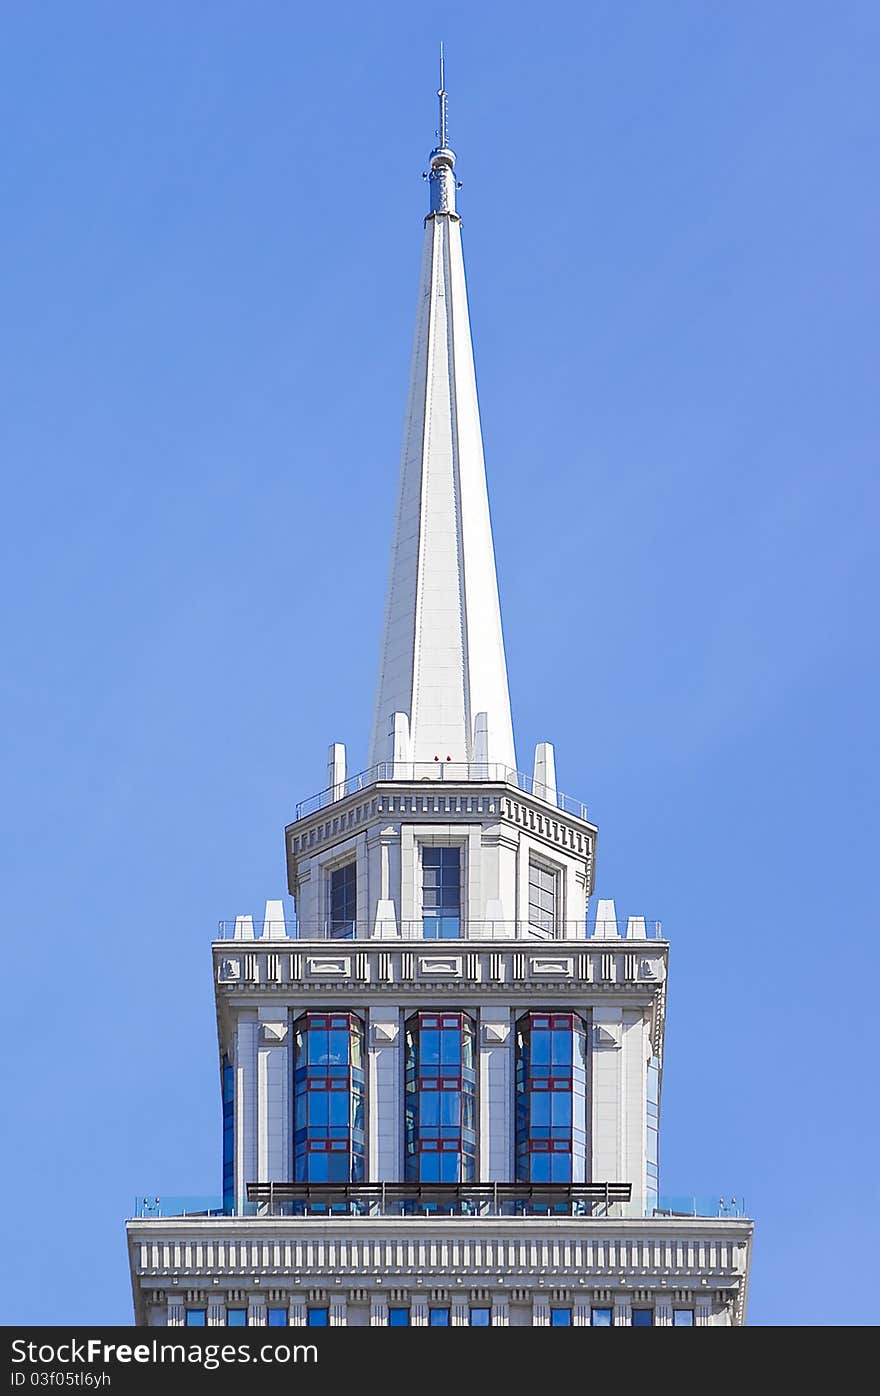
[(642, 1318), (318, 1318), (481, 1318), (441, 893), (236, 1318), (682, 1318), (543, 898), (560, 1318), (398, 1318), (277, 1318), (440, 1110), (551, 1099), (438, 1318), (197, 1318), (328, 1138), (600, 1318), (343, 901)]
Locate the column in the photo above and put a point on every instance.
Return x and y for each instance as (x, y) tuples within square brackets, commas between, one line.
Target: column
[(496, 1084), (634, 1052), (500, 1311), (540, 1311), (176, 1311), (460, 1316), (418, 1312), (338, 1311), (274, 1135), (606, 1067), (378, 1311), (297, 1312), (245, 1108), (703, 1311), (580, 1317), (216, 1313), (385, 1104), (663, 1311), (622, 1311), (256, 1315)]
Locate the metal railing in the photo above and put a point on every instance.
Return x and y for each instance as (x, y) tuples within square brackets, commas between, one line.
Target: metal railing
[(610, 933), (453, 772), (435, 1199), (705, 1206)]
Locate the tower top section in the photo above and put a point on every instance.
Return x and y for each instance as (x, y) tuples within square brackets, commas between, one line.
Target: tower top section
[(442, 689)]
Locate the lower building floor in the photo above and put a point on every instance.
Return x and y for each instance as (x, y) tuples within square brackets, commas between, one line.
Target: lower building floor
[(440, 1271)]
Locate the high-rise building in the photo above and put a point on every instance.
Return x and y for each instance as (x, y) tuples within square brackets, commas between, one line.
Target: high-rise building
[(440, 1087)]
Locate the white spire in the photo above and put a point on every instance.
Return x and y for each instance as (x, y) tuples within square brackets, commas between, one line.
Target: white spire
[(442, 662)]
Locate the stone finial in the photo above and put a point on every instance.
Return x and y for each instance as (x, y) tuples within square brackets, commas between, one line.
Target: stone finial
[(398, 743), (636, 928), (480, 758), (385, 925), (544, 782), (244, 928), (336, 769), (606, 921), (274, 924)]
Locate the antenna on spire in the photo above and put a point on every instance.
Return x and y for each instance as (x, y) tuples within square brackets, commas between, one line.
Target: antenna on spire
[(441, 93)]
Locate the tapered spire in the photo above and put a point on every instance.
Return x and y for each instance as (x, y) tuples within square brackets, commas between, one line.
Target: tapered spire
[(442, 688)]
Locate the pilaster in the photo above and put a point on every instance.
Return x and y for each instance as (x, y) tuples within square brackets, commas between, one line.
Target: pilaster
[(385, 1095)]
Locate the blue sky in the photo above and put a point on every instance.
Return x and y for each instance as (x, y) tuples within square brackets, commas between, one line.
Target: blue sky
[(210, 247)]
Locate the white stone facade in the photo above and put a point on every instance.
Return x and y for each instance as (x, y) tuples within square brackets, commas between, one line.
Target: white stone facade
[(518, 938)]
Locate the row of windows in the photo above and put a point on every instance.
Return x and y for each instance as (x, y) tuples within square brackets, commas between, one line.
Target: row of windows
[(440, 1111), (441, 896), (479, 1317)]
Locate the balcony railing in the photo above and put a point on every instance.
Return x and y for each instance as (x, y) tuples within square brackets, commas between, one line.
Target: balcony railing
[(632, 929), (436, 1199), (706, 1206), (453, 772)]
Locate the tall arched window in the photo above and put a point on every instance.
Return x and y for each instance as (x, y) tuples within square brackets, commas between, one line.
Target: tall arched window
[(551, 1099), (441, 1093), (328, 1137)]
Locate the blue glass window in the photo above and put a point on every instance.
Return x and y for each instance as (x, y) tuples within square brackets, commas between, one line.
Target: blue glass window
[(601, 1318), (228, 1090), (438, 1318), (441, 893), (642, 1318), (197, 1318), (236, 1318), (481, 1318), (318, 1318), (682, 1318), (343, 900), (560, 1318), (328, 1099), (398, 1318), (551, 1099), (440, 1100), (277, 1318)]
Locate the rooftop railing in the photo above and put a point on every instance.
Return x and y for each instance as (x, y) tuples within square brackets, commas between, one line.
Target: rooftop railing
[(632, 929), (706, 1206), (453, 772), (435, 1199)]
